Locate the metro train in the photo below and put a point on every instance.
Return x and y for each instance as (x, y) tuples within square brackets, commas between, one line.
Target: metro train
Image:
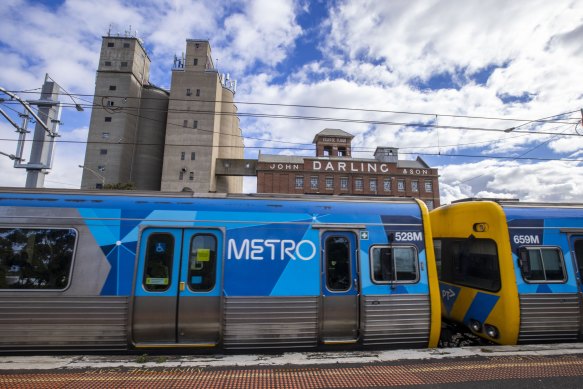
[(98, 270), (511, 271)]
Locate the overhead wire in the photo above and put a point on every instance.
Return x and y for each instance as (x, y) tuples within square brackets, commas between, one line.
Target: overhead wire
[(521, 156), (126, 110), (367, 110)]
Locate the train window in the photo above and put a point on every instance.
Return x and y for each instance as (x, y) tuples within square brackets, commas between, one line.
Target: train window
[(394, 264), (36, 258), (470, 262), (158, 267), (338, 277), (542, 264), (202, 263)]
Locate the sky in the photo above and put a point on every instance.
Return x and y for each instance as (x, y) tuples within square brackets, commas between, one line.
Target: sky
[(438, 79)]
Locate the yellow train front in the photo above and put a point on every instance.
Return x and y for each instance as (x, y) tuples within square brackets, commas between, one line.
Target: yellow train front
[(509, 271)]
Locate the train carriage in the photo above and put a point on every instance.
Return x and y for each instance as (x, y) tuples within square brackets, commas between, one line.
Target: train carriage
[(124, 270), (509, 271)]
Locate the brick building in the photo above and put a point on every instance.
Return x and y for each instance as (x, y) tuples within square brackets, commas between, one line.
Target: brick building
[(333, 171)]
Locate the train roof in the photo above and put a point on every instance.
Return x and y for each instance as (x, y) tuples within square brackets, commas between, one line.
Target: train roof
[(192, 195), (507, 203), (355, 206)]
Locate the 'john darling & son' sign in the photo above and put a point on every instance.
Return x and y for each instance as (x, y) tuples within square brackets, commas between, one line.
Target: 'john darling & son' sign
[(348, 167)]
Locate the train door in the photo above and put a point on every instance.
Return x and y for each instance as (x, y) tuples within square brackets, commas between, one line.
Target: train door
[(577, 242), (340, 288), (177, 295)]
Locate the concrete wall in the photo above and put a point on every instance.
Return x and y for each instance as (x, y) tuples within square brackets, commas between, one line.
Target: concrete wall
[(197, 96), (114, 125)]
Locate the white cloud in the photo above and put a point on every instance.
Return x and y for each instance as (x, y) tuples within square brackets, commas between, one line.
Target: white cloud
[(544, 181), (376, 55), (263, 32)]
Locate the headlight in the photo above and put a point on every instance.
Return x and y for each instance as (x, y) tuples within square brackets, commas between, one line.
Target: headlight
[(491, 331), (475, 325)]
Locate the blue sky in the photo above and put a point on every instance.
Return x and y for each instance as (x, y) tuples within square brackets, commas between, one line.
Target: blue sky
[(449, 76)]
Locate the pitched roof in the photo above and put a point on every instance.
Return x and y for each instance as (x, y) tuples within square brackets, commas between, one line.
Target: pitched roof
[(332, 132)]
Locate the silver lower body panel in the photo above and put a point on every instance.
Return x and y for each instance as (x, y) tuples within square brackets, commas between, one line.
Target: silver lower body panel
[(549, 317), (270, 322), (29, 323), (396, 320)]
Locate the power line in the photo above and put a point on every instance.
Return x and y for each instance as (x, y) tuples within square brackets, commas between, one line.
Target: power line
[(350, 109), (521, 156), (311, 149), (329, 119), (125, 110)]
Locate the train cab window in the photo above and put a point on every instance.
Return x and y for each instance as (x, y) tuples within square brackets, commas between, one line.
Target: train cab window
[(338, 277), (394, 264), (158, 267), (36, 258), (542, 264), (470, 262), (202, 263)]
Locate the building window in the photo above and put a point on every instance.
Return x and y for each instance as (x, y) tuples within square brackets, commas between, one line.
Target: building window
[(110, 44), (101, 168), (192, 156), (387, 185), (195, 124), (36, 258), (124, 64), (314, 182), (185, 124), (415, 186), (299, 182), (107, 63), (195, 62), (181, 175), (198, 92), (344, 183), (401, 185), (373, 185), (429, 204), (126, 45), (327, 151), (191, 176), (182, 156), (105, 135), (188, 92), (99, 186), (112, 87), (342, 151), (110, 103), (196, 45), (103, 152), (329, 183), (108, 118), (428, 186), (358, 184)]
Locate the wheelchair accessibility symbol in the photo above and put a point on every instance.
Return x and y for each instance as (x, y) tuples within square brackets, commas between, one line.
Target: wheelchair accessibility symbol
[(160, 247)]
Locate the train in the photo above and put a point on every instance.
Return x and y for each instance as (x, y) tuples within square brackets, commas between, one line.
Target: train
[(511, 271), (133, 271), (138, 271)]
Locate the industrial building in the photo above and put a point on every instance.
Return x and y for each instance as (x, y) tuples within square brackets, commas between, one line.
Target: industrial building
[(333, 171), (155, 139)]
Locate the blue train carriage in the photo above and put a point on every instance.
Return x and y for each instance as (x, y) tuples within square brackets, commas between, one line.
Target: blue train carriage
[(509, 271), (98, 270)]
